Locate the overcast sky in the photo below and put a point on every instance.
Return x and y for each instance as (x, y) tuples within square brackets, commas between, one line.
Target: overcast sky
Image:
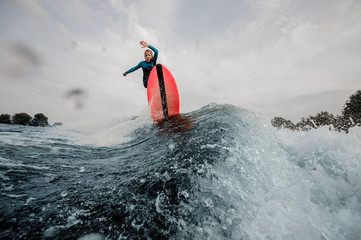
[(288, 58)]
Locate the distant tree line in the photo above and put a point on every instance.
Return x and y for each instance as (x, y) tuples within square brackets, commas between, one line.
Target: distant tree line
[(351, 117), (39, 120)]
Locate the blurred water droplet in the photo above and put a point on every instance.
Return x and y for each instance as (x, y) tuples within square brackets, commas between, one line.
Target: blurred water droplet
[(20, 59), (76, 97)]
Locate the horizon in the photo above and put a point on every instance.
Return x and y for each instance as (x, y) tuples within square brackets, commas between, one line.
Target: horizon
[(294, 121)]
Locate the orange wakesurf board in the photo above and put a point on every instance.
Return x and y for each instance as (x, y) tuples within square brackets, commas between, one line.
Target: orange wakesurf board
[(162, 92)]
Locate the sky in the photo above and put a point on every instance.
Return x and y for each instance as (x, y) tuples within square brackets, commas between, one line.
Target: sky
[(287, 58)]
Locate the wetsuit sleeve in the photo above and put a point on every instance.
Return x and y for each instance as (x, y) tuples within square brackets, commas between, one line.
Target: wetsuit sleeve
[(155, 52), (134, 68)]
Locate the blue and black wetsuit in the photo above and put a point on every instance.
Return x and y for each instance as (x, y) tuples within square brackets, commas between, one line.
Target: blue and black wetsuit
[(146, 66)]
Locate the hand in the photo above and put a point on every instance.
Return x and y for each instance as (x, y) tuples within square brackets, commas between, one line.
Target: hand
[(124, 74), (144, 44)]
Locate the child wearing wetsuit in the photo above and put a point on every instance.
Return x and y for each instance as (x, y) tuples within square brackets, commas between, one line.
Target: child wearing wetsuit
[(146, 65)]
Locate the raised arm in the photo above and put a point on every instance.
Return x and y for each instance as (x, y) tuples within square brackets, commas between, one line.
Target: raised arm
[(155, 57), (145, 44)]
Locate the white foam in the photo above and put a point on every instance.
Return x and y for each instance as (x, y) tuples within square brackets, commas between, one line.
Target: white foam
[(92, 236), (289, 185), (104, 132), (10, 164)]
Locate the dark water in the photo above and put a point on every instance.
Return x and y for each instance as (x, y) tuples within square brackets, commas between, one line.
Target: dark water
[(220, 172)]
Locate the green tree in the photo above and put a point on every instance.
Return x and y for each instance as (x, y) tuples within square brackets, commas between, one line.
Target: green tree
[(5, 118), (280, 122), (305, 124), (351, 116), (342, 124), (323, 119), (21, 119), (352, 108), (39, 120)]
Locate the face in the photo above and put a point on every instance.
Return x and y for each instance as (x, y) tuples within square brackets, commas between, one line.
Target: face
[(147, 56)]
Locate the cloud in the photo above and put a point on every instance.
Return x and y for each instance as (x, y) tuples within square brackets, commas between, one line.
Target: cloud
[(248, 53), (278, 50), (34, 10), (135, 29), (117, 5), (310, 104)]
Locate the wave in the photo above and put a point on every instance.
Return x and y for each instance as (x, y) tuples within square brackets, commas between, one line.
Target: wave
[(220, 172)]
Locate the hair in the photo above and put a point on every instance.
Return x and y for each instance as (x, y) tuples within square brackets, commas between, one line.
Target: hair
[(151, 53)]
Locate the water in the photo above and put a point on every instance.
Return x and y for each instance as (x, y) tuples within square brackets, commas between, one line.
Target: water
[(220, 172)]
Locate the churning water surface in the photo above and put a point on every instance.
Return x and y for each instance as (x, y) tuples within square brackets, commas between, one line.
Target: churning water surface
[(220, 172)]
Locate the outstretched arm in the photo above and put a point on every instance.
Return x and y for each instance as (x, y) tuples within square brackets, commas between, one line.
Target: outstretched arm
[(132, 69)]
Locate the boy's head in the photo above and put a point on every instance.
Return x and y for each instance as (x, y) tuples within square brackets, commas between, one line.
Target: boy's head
[(148, 55)]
